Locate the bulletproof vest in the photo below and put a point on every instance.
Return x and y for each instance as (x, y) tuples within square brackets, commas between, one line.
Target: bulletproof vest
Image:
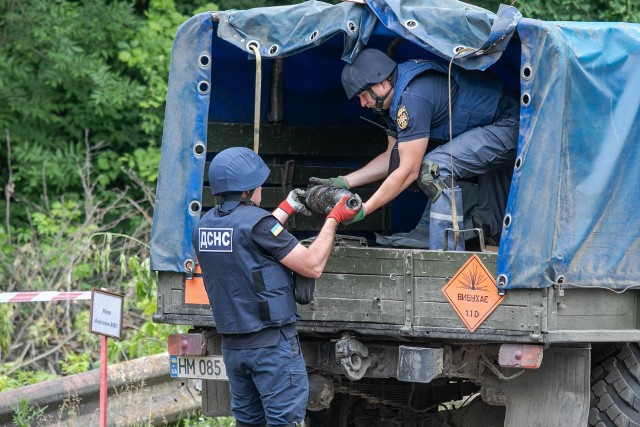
[(475, 105), (248, 291)]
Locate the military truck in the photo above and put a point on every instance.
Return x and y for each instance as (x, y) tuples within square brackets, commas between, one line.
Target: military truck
[(543, 332)]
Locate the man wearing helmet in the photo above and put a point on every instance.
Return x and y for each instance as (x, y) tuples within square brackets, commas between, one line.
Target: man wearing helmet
[(247, 259), (414, 98)]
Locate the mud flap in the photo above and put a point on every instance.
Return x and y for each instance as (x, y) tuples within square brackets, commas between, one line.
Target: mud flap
[(216, 397), (556, 394)]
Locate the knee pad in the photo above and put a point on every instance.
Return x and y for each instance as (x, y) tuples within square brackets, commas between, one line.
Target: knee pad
[(429, 172), (430, 182)]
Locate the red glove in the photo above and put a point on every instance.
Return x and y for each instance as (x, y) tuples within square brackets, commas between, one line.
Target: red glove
[(341, 212), (293, 204)]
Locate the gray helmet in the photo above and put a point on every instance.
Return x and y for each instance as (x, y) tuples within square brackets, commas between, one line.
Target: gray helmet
[(371, 66), (236, 169)]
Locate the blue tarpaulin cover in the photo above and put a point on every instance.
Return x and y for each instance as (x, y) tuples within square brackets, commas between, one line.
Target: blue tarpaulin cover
[(574, 205), (573, 209)]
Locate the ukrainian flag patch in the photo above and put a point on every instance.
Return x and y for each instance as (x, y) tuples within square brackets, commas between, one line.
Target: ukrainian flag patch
[(276, 229)]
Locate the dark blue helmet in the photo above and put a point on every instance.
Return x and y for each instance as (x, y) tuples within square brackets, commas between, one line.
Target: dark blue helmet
[(371, 66), (237, 169)]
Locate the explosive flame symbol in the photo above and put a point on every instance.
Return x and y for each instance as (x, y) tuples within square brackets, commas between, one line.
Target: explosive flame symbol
[(473, 280)]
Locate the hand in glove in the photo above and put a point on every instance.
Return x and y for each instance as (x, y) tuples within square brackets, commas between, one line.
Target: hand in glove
[(341, 212), (293, 204), (339, 182), (359, 217)]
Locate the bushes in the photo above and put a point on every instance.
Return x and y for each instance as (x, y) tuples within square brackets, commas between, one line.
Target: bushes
[(81, 126)]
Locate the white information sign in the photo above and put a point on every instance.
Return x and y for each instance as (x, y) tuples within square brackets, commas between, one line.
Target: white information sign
[(106, 313)]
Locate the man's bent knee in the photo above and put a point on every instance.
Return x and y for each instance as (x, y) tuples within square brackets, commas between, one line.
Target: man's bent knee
[(430, 182)]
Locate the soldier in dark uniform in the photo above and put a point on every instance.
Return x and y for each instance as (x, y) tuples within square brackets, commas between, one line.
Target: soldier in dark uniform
[(413, 97), (247, 259)]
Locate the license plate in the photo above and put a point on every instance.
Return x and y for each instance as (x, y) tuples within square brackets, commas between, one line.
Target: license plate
[(205, 367)]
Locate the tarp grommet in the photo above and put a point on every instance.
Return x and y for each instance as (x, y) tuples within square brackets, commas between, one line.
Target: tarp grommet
[(352, 27), (313, 35), (194, 207), (502, 281), (203, 87), (204, 60), (518, 164), (506, 222), (252, 43), (199, 149), (458, 49), (411, 23), (274, 49), (525, 99), (527, 72)]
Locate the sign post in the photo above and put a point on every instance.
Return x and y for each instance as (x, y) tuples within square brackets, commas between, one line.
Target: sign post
[(106, 320)]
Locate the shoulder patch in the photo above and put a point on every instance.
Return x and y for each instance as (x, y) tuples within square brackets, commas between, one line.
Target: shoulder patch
[(402, 118), (276, 229)]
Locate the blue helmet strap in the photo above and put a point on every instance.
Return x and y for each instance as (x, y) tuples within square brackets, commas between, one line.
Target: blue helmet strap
[(379, 99)]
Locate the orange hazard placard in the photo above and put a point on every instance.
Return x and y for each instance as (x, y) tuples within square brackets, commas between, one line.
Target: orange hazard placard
[(472, 292), (194, 291)]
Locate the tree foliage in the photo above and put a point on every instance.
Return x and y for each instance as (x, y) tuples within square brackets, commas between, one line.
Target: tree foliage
[(84, 84), (589, 10), (60, 82), (60, 73)]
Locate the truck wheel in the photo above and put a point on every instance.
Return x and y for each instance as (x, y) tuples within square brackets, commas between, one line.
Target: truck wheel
[(615, 385)]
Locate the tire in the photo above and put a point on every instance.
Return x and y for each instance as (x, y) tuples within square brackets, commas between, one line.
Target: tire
[(615, 386)]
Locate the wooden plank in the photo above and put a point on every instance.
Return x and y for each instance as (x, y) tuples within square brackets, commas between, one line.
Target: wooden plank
[(354, 310), (352, 286), (350, 142), (586, 322), (301, 174), (447, 264), (583, 309), (341, 263), (425, 255), (380, 253), (442, 314), (377, 221), (430, 289), (516, 312), (272, 196)]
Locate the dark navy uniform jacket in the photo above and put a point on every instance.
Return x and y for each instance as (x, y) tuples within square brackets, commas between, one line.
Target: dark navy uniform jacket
[(475, 103), (247, 289)]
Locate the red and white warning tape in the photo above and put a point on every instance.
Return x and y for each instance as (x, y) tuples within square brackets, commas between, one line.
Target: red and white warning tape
[(42, 296)]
